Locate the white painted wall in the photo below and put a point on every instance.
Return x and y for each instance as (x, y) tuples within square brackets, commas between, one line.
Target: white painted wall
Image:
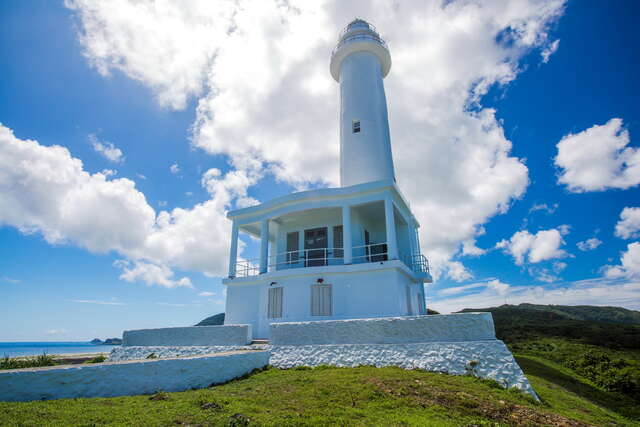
[(376, 292), (364, 156), (229, 334), (126, 378), (390, 330)]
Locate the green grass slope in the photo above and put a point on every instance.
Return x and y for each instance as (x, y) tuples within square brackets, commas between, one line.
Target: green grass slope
[(334, 396)]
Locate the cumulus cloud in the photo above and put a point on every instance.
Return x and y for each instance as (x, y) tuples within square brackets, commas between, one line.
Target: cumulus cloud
[(260, 75), (629, 266), (534, 248), (151, 274), (206, 294), (598, 158), (586, 292), (589, 244), (174, 168), (106, 149), (628, 227), (43, 189)]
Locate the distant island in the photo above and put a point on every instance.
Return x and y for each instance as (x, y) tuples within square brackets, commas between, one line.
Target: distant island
[(108, 341)]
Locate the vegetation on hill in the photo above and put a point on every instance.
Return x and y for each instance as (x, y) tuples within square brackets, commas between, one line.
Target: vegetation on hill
[(603, 353), (525, 322), (331, 396), (215, 320), (27, 362)]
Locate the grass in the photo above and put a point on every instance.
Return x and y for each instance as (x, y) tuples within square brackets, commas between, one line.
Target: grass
[(344, 396), (27, 362)]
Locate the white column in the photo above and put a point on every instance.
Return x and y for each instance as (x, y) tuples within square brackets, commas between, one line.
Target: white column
[(233, 251), (346, 235), (390, 222), (264, 246)]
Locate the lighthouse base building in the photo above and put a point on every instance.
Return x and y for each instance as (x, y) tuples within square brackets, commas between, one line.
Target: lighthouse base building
[(335, 253)]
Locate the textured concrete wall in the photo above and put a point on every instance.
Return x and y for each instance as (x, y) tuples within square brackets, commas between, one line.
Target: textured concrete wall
[(126, 378), (494, 358), (169, 352), (390, 330), (192, 335)]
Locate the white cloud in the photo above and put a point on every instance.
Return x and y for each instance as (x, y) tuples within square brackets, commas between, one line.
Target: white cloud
[(549, 50), (469, 248), (106, 149), (629, 263), (541, 246), (589, 244), (139, 175), (629, 225), (260, 76), (544, 207), (9, 280), (206, 294), (598, 158), (151, 274), (43, 189), (457, 271), (87, 301), (600, 292), (174, 168)]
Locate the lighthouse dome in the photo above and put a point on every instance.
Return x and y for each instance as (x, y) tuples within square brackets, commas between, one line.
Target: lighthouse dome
[(359, 36)]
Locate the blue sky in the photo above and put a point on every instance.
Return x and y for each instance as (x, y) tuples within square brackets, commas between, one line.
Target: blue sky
[(514, 133)]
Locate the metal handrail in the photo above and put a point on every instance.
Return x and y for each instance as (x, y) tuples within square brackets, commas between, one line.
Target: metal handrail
[(359, 36), (374, 252)]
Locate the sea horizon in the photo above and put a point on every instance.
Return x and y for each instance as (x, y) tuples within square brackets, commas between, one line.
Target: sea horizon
[(35, 348)]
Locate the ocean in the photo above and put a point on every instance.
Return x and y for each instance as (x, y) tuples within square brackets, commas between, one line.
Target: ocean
[(13, 349)]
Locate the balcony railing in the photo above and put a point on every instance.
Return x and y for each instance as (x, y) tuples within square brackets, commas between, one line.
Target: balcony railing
[(359, 37), (375, 252)]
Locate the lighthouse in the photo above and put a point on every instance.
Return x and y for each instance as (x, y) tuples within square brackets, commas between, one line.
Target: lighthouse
[(349, 252), (359, 62)]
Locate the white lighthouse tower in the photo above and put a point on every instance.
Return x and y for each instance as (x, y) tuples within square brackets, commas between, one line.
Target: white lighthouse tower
[(359, 62), (336, 253)]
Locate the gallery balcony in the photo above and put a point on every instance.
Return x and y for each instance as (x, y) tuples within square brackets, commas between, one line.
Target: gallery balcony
[(331, 229)]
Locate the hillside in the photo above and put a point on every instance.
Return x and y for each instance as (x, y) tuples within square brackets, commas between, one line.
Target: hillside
[(604, 353), (581, 312), (528, 321), (336, 396), (215, 320)]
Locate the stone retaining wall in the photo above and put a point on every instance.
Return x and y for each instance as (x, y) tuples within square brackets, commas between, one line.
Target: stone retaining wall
[(494, 360), (127, 378)]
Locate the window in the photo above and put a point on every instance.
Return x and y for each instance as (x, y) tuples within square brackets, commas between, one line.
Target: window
[(355, 126), (275, 303), (292, 247), (321, 300), (337, 242)]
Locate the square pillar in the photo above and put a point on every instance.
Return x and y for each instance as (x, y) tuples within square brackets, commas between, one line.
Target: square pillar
[(390, 224), (264, 246), (233, 250), (347, 244)]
